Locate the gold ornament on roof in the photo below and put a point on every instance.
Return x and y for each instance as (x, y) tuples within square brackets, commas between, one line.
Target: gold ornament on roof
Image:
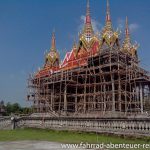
[(87, 36), (52, 58), (127, 46), (109, 36)]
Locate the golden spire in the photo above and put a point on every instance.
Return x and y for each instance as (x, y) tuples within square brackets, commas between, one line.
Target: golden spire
[(127, 27), (127, 41), (88, 29), (88, 8), (127, 34), (53, 42), (88, 18), (127, 45), (108, 12), (52, 58), (109, 36), (108, 18)]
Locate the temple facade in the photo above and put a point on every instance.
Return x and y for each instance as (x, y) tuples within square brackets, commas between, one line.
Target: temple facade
[(100, 76)]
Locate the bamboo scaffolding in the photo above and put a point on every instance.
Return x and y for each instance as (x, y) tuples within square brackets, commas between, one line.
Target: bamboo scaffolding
[(111, 82)]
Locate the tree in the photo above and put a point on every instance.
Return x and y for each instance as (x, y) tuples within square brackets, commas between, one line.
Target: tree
[(8, 108), (26, 110), (15, 108)]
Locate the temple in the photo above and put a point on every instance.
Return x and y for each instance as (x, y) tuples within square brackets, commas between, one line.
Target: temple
[(99, 77)]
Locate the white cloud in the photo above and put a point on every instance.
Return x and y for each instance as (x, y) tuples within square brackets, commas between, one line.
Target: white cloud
[(133, 27), (96, 25), (121, 25), (82, 18)]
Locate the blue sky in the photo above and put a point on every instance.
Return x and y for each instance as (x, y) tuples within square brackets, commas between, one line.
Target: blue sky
[(26, 27)]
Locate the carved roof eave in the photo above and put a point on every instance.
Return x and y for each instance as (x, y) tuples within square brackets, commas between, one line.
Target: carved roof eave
[(129, 48), (109, 36), (87, 45)]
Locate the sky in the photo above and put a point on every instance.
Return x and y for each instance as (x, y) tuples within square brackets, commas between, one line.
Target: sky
[(26, 27)]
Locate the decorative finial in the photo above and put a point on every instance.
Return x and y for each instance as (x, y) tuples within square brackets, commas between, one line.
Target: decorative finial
[(87, 31), (88, 8), (108, 19), (88, 18), (53, 42), (127, 44), (127, 28)]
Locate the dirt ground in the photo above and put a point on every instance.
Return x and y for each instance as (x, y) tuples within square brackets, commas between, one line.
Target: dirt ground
[(31, 145)]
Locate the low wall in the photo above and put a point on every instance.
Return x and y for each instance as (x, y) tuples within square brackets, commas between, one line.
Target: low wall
[(131, 127), (138, 127), (5, 123)]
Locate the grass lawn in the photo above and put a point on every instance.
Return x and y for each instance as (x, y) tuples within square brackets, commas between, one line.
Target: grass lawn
[(64, 136)]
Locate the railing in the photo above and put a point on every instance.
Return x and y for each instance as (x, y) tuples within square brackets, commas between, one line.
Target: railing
[(135, 127)]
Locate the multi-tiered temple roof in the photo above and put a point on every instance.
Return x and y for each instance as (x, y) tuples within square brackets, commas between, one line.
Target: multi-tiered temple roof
[(89, 45), (109, 36), (52, 57), (127, 46)]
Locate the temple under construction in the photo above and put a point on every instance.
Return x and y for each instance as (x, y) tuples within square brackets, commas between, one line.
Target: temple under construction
[(100, 76)]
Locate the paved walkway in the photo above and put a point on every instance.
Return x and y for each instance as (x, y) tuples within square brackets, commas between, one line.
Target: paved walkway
[(31, 145)]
